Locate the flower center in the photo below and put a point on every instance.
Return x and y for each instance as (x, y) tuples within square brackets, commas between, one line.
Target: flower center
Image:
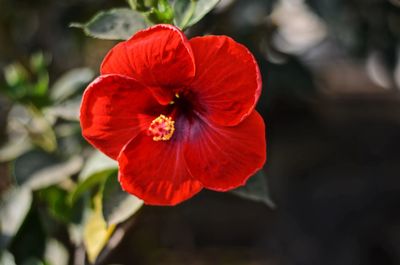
[(161, 128)]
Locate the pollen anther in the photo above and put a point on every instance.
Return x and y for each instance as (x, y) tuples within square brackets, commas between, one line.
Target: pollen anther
[(162, 128)]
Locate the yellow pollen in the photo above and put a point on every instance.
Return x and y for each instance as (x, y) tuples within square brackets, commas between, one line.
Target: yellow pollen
[(176, 95), (161, 128)]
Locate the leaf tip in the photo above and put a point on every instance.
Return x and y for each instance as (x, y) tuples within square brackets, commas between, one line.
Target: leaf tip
[(76, 25)]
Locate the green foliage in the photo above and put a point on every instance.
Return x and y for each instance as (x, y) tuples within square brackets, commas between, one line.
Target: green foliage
[(256, 189), (142, 5), (114, 24), (71, 84), (44, 149), (96, 232), (55, 253), (14, 147), (14, 207), (30, 241), (6, 258), (117, 205), (189, 12), (37, 169), (122, 23), (56, 201), (28, 86), (96, 170), (160, 12)]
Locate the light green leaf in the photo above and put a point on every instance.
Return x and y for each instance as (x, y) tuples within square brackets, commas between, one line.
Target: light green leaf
[(96, 163), (6, 258), (113, 24), (13, 209), (56, 253), (96, 233), (36, 169), (40, 130), (117, 204), (41, 87), (189, 12), (15, 74), (67, 110), (90, 182), (18, 140), (71, 83), (14, 148), (38, 62), (55, 199), (256, 189), (96, 170)]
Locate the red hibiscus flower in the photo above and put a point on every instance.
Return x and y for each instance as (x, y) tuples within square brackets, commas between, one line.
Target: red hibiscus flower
[(178, 115)]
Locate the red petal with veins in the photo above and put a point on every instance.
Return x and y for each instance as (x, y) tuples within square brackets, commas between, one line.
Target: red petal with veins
[(114, 110), (160, 56), (228, 82), (223, 158), (156, 172)]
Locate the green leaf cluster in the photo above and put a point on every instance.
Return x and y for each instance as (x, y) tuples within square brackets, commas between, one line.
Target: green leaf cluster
[(58, 180), (28, 85), (122, 23)]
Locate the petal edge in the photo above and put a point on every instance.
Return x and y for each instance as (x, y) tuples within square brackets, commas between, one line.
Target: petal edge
[(228, 80), (224, 158)]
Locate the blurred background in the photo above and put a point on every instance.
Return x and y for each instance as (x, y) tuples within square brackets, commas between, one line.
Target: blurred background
[(331, 102)]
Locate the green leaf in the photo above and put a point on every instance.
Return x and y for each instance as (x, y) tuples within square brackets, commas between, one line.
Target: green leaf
[(114, 24), (38, 62), (18, 140), (96, 163), (40, 129), (56, 200), (56, 253), (256, 189), (16, 77), (14, 148), (42, 85), (88, 183), (118, 205), (71, 83), (32, 230), (160, 12), (67, 110), (96, 170), (141, 5), (96, 233), (6, 258), (189, 12), (28, 86), (15, 74), (13, 211), (36, 169), (27, 126)]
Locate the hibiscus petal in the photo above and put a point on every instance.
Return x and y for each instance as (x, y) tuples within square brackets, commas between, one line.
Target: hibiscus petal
[(228, 81), (156, 172), (157, 56), (114, 110), (223, 158)]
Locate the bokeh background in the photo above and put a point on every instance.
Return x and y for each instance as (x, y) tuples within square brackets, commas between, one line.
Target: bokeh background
[(331, 102)]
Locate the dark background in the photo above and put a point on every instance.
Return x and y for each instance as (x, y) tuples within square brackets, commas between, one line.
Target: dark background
[(331, 103)]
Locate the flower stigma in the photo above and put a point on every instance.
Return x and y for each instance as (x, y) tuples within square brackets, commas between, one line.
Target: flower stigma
[(162, 128)]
